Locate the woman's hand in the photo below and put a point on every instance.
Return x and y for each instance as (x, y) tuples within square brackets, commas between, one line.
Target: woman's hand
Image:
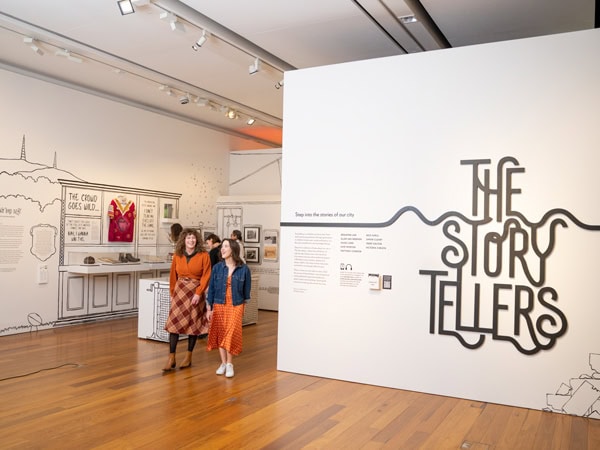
[(195, 299)]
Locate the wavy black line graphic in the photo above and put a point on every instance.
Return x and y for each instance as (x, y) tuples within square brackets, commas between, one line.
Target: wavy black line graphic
[(545, 218)]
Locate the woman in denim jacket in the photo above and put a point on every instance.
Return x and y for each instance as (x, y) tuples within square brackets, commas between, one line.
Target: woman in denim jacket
[(228, 293)]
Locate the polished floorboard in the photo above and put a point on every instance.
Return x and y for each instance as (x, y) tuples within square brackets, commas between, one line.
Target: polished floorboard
[(97, 386)]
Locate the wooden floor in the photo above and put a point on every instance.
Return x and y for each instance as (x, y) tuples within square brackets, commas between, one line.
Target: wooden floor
[(99, 386)]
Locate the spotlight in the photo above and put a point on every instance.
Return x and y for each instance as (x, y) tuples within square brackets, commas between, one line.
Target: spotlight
[(166, 89), (200, 42), (254, 67), (173, 21), (126, 7), (279, 84), (33, 45), (67, 54), (184, 100), (202, 102), (177, 26), (408, 19), (231, 114), (250, 121)]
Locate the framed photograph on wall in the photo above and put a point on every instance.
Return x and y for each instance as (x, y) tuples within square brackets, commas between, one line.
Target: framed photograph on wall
[(252, 254), (252, 234), (270, 245), (207, 232)]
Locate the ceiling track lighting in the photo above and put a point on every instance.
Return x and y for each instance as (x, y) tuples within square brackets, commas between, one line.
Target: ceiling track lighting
[(125, 7), (33, 45), (67, 54), (408, 19), (177, 26), (279, 84), (204, 102), (184, 99), (254, 67), (201, 41), (166, 89), (174, 22)]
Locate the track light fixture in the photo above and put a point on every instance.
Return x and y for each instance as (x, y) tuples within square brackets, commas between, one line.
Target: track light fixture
[(202, 102), (408, 19), (166, 89), (67, 54), (177, 26), (200, 42), (33, 45), (125, 7), (279, 84), (254, 67), (184, 99), (173, 21)]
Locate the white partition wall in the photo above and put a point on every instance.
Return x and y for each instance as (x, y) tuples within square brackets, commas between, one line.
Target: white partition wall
[(440, 223)]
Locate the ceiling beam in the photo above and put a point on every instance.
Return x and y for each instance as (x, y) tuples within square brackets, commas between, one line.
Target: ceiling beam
[(423, 16), (133, 103), (201, 21)]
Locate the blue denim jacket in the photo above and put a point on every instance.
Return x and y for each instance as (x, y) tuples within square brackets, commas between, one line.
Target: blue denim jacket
[(240, 284)]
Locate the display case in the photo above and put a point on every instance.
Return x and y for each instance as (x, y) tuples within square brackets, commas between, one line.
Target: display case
[(110, 239)]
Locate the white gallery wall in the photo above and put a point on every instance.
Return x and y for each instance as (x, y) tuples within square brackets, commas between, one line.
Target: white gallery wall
[(440, 223), (255, 172), (75, 136), (255, 191)]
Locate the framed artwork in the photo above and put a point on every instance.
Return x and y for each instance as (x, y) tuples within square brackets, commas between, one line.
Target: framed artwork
[(252, 254), (252, 234), (207, 232), (270, 245)]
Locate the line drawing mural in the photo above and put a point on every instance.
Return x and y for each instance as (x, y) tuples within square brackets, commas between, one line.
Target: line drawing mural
[(17, 174), (43, 241), (161, 305), (579, 396), (34, 320), (35, 184)]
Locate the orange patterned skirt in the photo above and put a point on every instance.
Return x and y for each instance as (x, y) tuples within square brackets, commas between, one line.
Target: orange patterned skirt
[(226, 325)]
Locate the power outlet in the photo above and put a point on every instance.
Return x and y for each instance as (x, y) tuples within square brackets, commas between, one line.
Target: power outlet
[(42, 274)]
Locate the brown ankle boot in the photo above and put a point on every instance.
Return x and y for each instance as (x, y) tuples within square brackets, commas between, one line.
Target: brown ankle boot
[(187, 361), (170, 363)]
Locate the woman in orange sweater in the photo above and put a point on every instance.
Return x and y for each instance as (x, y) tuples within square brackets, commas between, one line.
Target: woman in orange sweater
[(190, 273)]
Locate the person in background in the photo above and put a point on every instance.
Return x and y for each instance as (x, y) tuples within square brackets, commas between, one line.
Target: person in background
[(236, 235), (228, 293), (213, 242), (176, 229), (190, 274)]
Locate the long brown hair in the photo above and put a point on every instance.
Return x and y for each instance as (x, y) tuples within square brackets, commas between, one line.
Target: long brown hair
[(235, 251), (180, 246)]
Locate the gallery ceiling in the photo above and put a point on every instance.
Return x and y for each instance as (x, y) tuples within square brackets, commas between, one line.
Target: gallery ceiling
[(155, 58)]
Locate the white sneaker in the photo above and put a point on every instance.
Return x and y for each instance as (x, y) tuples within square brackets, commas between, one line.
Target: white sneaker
[(229, 370), (221, 369)]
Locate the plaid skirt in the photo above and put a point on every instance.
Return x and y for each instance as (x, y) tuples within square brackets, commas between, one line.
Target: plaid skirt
[(185, 318)]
